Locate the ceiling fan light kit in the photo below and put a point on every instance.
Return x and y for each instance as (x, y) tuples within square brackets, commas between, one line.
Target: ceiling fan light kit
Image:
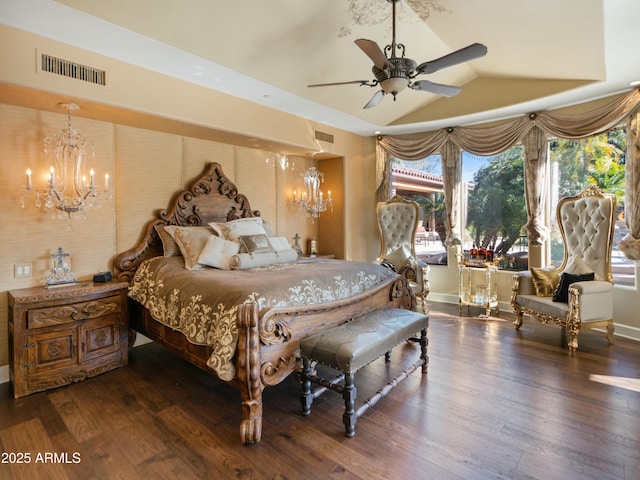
[(395, 73)]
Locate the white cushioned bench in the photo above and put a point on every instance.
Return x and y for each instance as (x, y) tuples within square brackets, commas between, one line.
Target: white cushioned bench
[(353, 345)]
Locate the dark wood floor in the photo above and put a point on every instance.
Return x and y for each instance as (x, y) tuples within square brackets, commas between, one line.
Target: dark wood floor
[(495, 404)]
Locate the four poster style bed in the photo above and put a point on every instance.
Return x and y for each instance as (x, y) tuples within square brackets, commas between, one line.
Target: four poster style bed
[(243, 325)]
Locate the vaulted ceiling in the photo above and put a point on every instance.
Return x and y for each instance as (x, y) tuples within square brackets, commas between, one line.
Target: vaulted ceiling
[(541, 53)]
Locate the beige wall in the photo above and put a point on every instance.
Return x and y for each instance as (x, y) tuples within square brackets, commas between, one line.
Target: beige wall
[(331, 226)]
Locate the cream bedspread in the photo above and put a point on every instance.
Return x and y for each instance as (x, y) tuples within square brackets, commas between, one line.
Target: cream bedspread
[(203, 304)]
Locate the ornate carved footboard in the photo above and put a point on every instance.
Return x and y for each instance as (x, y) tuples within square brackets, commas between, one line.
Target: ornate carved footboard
[(268, 342)]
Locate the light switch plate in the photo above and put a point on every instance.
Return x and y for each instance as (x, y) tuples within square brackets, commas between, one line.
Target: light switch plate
[(22, 270)]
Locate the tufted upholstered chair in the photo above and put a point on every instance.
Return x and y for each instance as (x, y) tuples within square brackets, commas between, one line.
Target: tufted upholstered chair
[(586, 224), (397, 221)]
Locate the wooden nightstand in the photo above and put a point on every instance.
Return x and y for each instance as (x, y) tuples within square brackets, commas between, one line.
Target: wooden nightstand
[(63, 335)]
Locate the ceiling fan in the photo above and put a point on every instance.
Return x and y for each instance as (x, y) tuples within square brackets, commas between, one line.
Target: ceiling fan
[(395, 73)]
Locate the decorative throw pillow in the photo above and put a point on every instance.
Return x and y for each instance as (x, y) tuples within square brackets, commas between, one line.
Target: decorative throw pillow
[(399, 257), (217, 252), (258, 243), (191, 241), (279, 243), (169, 246), (561, 293), (243, 261), (576, 266), (233, 229), (545, 280)]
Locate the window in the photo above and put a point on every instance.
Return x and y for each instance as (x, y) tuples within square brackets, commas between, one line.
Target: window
[(421, 181), (493, 203), (600, 161), (494, 206)]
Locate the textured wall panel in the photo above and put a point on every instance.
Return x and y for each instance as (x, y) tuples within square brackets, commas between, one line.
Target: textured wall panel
[(255, 177), (151, 167), (197, 153)]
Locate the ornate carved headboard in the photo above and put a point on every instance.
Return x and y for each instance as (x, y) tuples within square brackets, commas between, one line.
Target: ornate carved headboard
[(212, 197)]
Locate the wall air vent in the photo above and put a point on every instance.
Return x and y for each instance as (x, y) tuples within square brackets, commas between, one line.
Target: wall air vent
[(69, 69), (324, 137)]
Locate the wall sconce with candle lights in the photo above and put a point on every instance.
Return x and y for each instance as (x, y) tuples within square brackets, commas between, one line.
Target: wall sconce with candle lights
[(311, 200), (67, 190)]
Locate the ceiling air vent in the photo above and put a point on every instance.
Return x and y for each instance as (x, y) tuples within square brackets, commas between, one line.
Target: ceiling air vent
[(69, 69), (324, 137)]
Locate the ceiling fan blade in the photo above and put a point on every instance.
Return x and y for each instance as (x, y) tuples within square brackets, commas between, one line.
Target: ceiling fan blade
[(375, 100), (375, 53), (465, 54), (437, 88), (352, 82)]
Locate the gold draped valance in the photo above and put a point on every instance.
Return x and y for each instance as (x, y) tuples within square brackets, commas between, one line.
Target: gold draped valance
[(494, 139)]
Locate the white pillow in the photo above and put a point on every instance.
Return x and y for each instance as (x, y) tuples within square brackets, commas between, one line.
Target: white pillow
[(233, 229), (267, 228), (576, 266), (399, 257), (191, 241), (242, 261), (279, 243), (217, 252)]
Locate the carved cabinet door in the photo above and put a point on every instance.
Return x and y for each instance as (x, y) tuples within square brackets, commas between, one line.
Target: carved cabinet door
[(51, 350), (99, 336)]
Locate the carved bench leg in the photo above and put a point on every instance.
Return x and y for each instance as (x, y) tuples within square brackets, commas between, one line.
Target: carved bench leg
[(349, 417), (306, 398), (424, 342)]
